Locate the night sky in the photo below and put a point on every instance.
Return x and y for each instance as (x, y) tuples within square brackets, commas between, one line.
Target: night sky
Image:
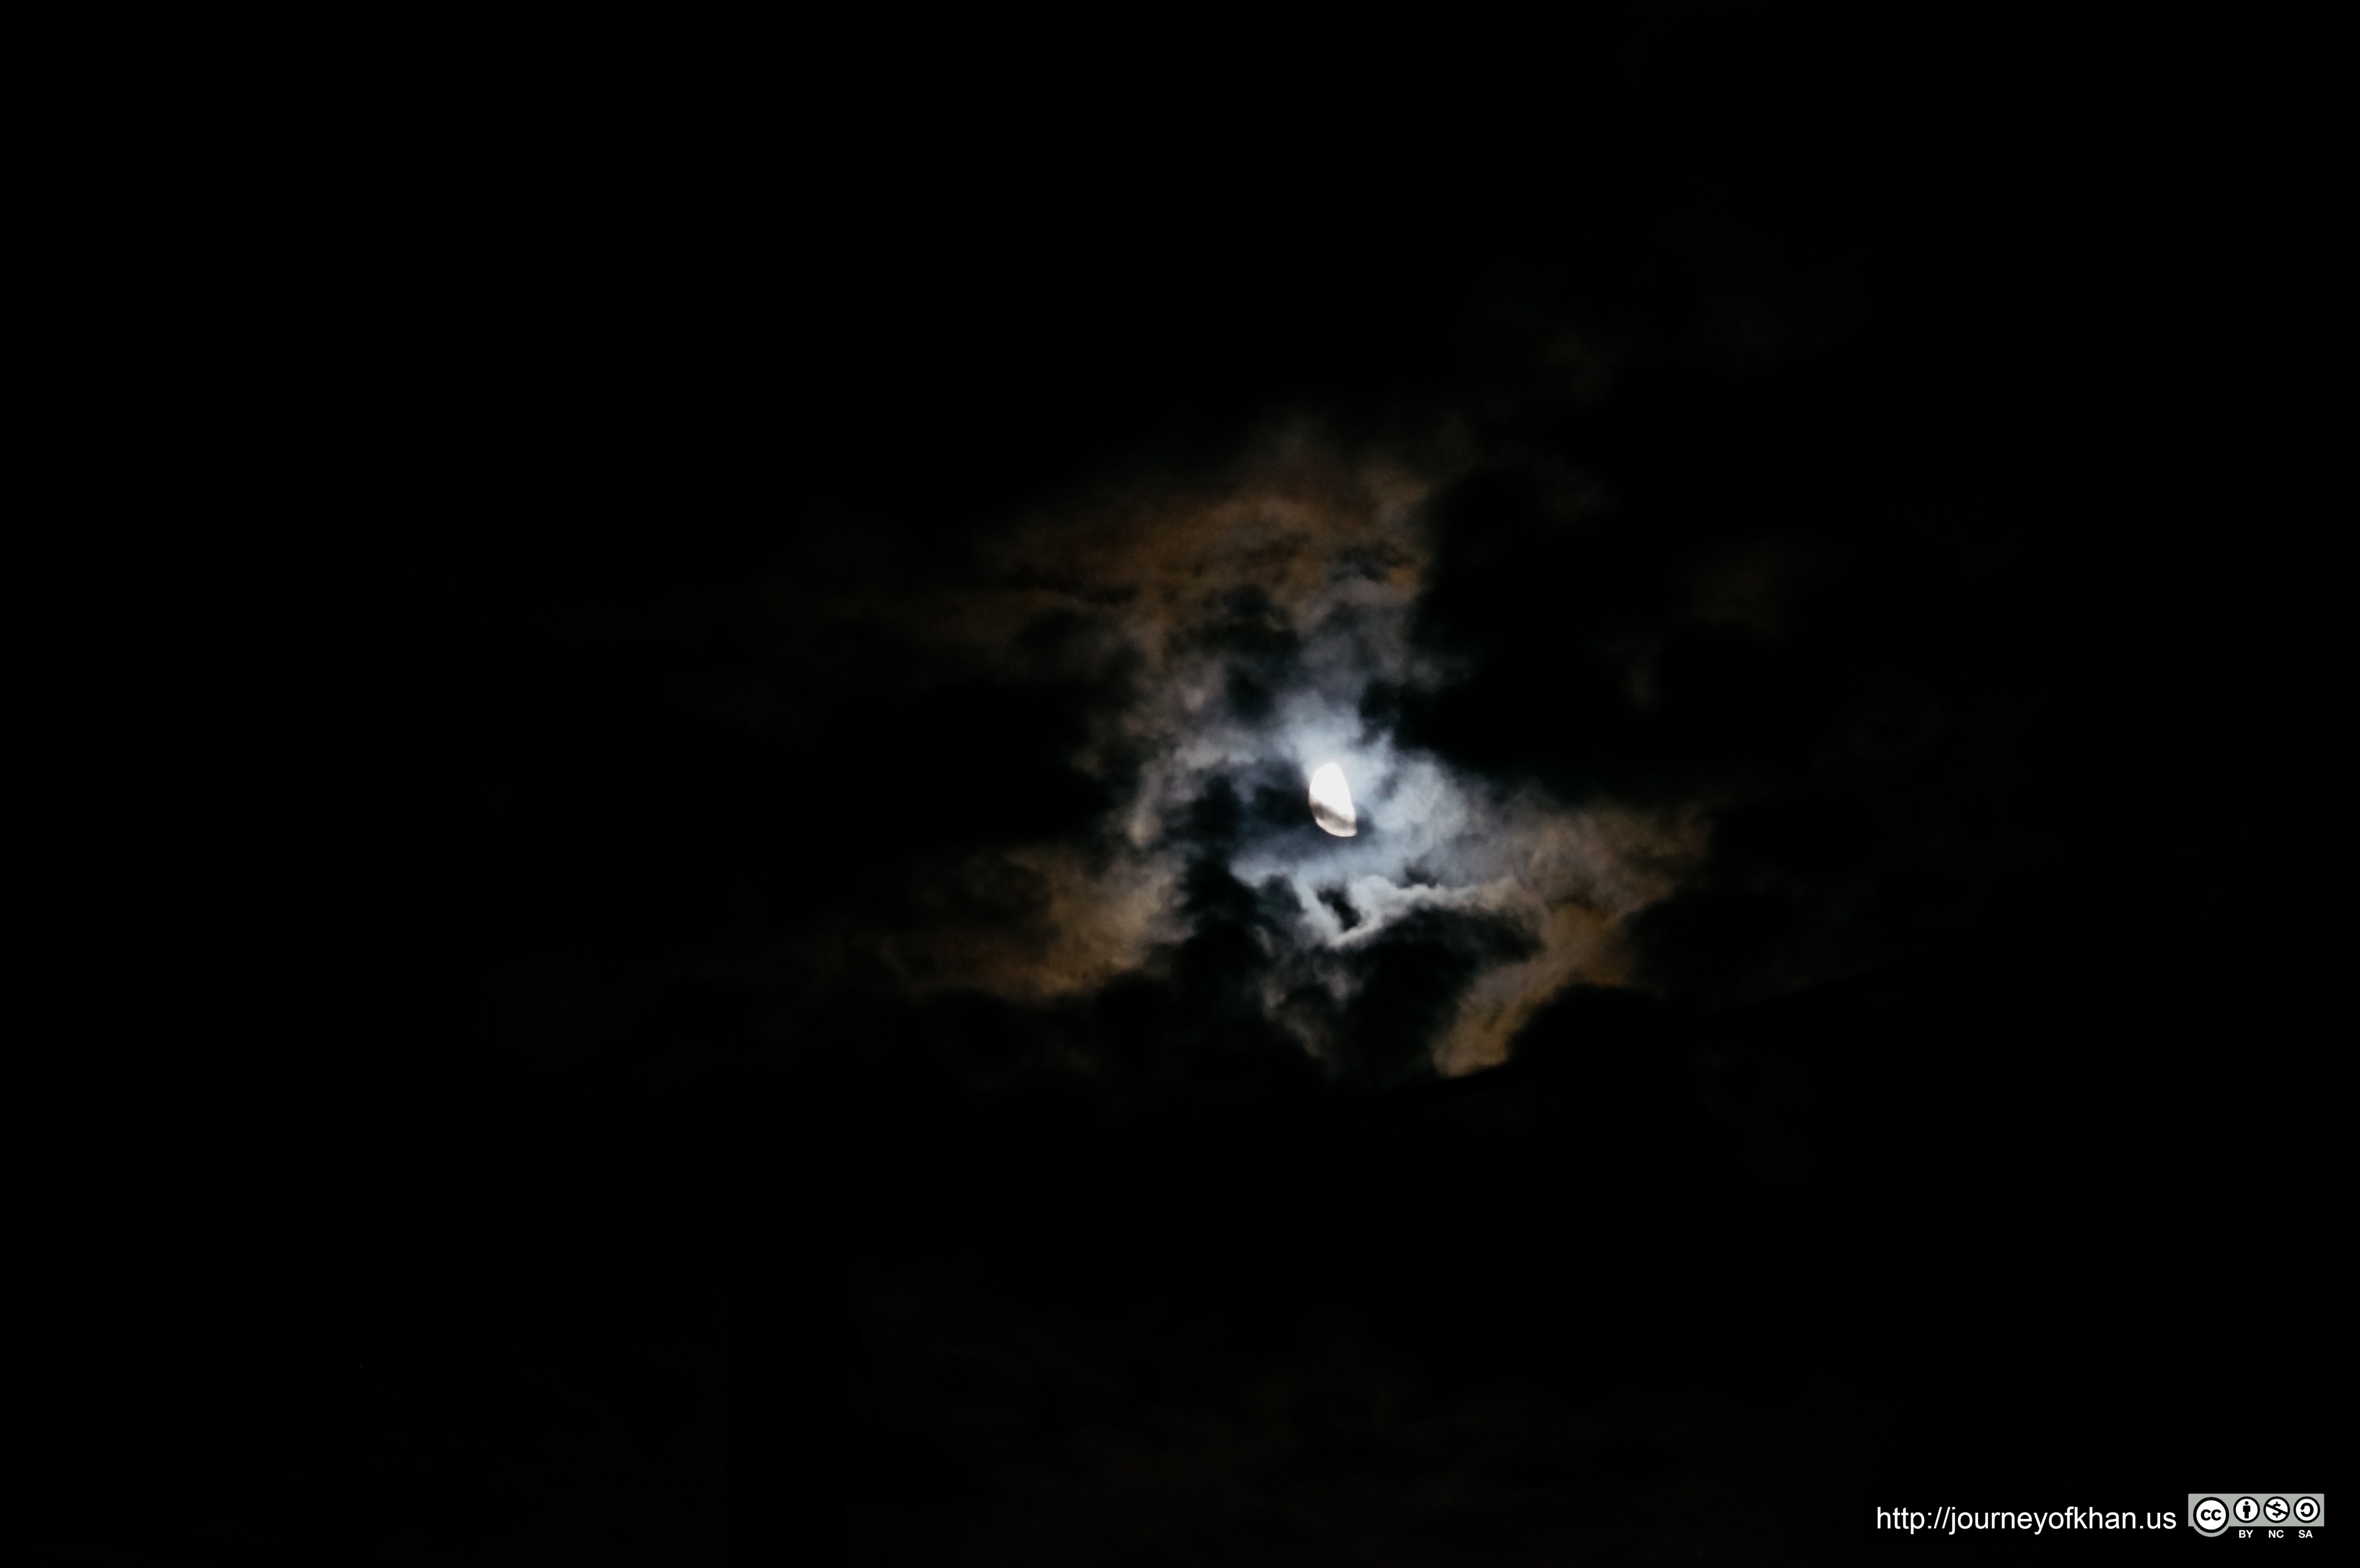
[(666, 691)]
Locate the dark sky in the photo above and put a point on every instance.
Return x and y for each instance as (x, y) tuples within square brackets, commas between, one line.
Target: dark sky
[(669, 683)]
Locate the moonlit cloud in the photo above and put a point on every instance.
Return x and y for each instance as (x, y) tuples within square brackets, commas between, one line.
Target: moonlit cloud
[(1236, 632)]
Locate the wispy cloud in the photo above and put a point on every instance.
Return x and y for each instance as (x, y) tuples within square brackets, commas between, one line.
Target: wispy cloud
[(1232, 634)]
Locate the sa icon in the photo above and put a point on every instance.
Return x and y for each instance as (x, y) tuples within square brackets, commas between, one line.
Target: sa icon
[(2247, 1511), (2306, 1510)]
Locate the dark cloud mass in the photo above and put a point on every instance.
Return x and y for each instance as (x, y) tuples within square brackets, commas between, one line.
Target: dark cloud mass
[(670, 702)]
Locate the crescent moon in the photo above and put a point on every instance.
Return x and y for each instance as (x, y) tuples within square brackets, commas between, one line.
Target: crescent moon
[(1331, 802)]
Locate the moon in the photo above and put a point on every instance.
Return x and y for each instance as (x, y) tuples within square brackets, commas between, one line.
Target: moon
[(1331, 802)]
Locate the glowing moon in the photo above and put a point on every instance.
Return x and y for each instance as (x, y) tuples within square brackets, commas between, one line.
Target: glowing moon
[(1331, 802)]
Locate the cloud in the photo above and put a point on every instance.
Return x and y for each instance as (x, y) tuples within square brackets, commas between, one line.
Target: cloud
[(1233, 634)]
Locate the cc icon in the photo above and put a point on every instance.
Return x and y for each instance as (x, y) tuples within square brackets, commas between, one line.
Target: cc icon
[(2210, 1515)]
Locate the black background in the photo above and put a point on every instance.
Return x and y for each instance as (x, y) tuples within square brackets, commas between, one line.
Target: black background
[(416, 409)]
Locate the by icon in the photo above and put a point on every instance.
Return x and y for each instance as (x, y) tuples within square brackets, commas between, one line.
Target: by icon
[(2247, 1511)]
